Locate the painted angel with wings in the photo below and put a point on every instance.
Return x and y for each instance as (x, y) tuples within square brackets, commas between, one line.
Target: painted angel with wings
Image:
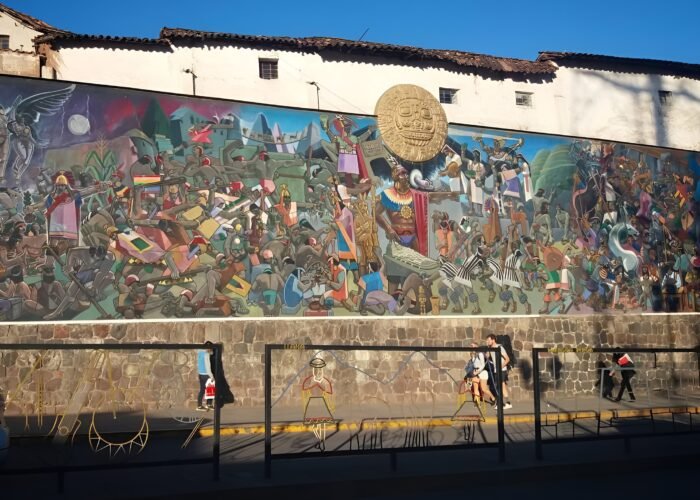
[(18, 127)]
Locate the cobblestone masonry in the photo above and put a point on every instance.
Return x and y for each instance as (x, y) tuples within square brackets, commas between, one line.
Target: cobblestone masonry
[(168, 379)]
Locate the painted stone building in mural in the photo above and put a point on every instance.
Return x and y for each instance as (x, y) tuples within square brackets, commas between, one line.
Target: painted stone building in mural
[(126, 203)]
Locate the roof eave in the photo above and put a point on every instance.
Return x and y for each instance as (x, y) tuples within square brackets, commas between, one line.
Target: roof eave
[(321, 44), (621, 64)]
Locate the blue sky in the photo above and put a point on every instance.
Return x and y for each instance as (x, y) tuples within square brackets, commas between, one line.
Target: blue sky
[(668, 29)]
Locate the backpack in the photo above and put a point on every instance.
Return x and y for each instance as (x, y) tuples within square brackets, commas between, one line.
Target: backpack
[(469, 369), (504, 340)]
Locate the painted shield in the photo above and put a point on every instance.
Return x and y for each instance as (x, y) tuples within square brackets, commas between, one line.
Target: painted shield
[(553, 258)]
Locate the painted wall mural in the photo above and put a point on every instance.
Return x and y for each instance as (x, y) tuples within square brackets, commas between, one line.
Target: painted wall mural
[(126, 204)]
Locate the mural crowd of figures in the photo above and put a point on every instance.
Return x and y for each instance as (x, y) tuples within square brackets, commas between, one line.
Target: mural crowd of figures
[(119, 203)]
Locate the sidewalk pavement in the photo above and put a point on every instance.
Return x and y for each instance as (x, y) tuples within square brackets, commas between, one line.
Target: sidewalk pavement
[(243, 421), (366, 476)]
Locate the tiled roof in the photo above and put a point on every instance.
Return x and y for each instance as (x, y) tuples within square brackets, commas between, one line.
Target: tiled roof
[(76, 37), (621, 64), (28, 20), (318, 44)]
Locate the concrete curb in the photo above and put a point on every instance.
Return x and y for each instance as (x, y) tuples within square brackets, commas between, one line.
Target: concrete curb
[(401, 423)]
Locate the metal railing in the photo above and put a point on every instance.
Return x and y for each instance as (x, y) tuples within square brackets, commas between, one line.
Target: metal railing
[(62, 470), (393, 451), (616, 415)]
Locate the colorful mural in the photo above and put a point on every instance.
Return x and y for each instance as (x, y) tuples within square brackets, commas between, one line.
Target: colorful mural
[(126, 204)]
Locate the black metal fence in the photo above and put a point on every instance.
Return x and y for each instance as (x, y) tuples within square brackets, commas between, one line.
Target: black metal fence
[(611, 418), (63, 469), (393, 451)]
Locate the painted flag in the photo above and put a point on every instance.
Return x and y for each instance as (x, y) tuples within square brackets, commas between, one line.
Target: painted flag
[(145, 180)]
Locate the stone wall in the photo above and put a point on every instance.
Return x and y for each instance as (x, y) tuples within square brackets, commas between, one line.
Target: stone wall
[(167, 379)]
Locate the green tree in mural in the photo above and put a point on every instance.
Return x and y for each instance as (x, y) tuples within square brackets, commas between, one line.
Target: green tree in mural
[(154, 121), (100, 163), (553, 169)]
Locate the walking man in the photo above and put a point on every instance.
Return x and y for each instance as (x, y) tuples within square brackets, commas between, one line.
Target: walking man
[(491, 342)]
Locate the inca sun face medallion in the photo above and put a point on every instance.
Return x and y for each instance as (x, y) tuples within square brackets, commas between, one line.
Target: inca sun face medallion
[(412, 122)]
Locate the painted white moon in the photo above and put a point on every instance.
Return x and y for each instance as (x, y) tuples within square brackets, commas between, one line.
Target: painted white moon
[(78, 125)]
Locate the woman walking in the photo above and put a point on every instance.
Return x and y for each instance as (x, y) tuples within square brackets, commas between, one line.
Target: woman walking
[(623, 363)]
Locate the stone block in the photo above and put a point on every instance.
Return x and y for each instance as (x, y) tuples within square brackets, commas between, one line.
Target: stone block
[(163, 371), (249, 333), (131, 370), (60, 332)]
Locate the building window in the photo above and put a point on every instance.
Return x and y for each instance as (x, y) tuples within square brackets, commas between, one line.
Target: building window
[(448, 96), (268, 69), (4, 41), (523, 99), (665, 97)]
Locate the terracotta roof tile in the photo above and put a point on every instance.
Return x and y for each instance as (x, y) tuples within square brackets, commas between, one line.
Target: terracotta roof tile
[(317, 44), (76, 37), (32, 22), (621, 64)]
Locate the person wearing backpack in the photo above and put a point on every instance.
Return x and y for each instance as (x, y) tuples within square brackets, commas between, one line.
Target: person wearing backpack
[(505, 360), (479, 376)]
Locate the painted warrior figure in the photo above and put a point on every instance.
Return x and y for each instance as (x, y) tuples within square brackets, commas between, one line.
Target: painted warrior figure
[(63, 215), (499, 153), (344, 221), (345, 146), (91, 267), (453, 170), (365, 234), (18, 127)]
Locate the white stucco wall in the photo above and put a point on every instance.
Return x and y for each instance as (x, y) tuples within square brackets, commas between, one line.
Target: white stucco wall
[(20, 35), (19, 63), (597, 104)]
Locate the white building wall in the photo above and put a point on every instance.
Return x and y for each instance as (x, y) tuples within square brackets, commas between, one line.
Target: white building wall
[(20, 35), (19, 64), (598, 104)]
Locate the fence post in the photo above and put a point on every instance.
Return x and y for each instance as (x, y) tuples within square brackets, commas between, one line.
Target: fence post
[(218, 381), (499, 402), (536, 395), (268, 411)]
